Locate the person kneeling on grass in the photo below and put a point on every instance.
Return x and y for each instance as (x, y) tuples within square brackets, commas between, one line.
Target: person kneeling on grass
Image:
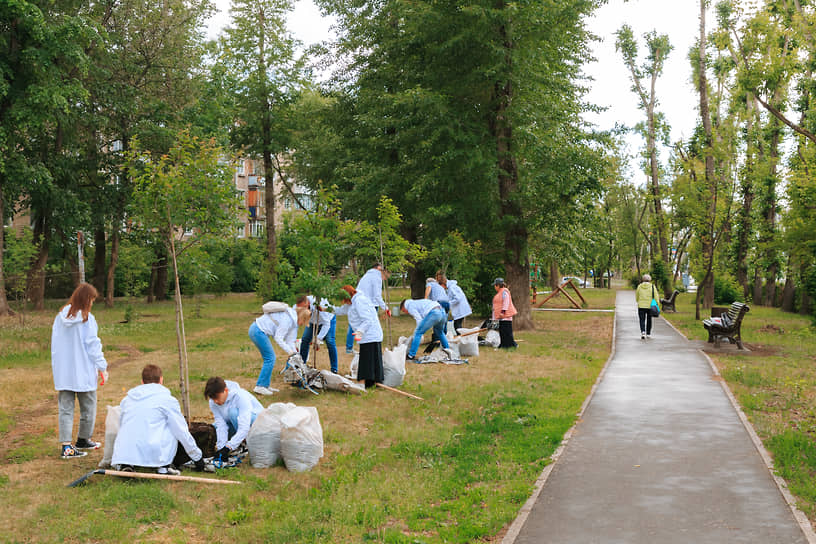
[(151, 428), (234, 410), (428, 314)]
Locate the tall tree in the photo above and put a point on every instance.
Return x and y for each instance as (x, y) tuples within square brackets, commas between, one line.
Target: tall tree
[(644, 81)]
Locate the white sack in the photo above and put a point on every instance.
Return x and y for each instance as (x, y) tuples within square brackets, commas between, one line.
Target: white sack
[(355, 362), (264, 438), (111, 430), (301, 438), (468, 345), (337, 382), (394, 365)]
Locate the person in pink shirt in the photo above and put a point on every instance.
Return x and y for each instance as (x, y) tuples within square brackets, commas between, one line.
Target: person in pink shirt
[(503, 312)]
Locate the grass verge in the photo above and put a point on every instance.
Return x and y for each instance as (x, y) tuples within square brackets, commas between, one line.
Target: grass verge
[(454, 468)]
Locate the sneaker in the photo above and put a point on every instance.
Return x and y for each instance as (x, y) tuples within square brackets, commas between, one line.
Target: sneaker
[(642, 335), (410, 358), (69, 452), (649, 336), (260, 390), (169, 469), (125, 468), (349, 351), (87, 444)]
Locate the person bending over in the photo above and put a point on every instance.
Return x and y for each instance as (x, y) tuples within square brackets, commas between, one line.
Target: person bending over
[(428, 314), (234, 410)]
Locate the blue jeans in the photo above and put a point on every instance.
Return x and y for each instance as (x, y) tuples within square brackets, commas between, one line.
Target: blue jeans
[(331, 343), (437, 319), (264, 345), (232, 422), (350, 339)]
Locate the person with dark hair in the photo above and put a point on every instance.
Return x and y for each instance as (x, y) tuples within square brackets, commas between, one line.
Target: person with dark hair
[(371, 285), (151, 427), (503, 312), (234, 410), (369, 335), (428, 314), (76, 362), (322, 325), (434, 291)]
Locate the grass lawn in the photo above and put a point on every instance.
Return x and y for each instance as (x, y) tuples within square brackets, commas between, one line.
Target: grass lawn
[(455, 467), (775, 383)]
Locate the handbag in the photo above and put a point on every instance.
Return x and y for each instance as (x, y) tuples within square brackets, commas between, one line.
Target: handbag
[(654, 309)]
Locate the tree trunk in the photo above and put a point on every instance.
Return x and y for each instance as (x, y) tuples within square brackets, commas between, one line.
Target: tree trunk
[(744, 223), (152, 283), (36, 275), (99, 259), (707, 239), (788, 296), (555, 275), (5, 309), (806, 305), (769, 214), (159, 287), (184, 376), (114, 260), (757, 298)]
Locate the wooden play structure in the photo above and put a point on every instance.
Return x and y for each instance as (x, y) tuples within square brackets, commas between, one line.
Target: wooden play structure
[(562, 289)]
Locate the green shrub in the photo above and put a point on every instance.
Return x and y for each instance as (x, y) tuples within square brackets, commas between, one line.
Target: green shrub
[(726, 290), (660, 276)]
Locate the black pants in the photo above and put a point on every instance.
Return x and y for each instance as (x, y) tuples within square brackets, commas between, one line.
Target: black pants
[(458, 324), (506, 335), (645, 318)]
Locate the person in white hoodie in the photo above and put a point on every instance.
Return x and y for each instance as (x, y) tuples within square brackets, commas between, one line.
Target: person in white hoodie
[(76, 361), (151, 427), (371, 285), (283, 326), (369, 335), (323, 325), (459, 305), (234, 410), (427, 314)]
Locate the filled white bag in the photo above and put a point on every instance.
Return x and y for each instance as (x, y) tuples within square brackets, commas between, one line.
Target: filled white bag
[(264, 438), (111, 430), (337, 382), (301, 438), (394, 365), (492, 338), (355, 362), (468, 345)]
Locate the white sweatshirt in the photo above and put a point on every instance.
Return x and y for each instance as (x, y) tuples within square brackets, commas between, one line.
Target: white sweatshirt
[(371, 286), (363, 319), (150, 429), (239, 408), (282, 326), (459, 303), (76, 352), (419, 308)]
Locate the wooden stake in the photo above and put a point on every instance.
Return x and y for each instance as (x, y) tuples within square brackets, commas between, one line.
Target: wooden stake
[(395, 390), (150, 476)]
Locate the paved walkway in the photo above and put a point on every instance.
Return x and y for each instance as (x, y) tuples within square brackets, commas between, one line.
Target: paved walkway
[(660, 456)]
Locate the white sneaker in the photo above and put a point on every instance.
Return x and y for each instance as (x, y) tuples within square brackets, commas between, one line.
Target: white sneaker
[(642, 335), (264, 390), (649, 336), (168, 470)]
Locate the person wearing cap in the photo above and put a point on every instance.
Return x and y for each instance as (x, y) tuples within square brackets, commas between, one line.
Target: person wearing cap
[(427, 313), (503, 312)]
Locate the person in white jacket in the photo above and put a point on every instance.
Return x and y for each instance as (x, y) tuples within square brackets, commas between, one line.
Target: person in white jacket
[(369, 335), (324, 323), (283, 326), (459, 305), (234, 410), (76, 361), (428, 314), (371, 285), (151, 427)]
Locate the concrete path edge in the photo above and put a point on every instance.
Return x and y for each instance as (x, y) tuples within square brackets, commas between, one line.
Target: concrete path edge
[(781, 484), (515, 527)]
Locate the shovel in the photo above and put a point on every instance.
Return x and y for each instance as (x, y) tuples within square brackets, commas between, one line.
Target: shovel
[(149, 476)]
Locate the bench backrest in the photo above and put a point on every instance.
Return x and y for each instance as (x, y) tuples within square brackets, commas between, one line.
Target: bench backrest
[(736, 311), (673, 296)]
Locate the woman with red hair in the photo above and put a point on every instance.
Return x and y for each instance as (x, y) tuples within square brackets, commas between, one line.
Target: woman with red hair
[(76, 360), (368, 332)]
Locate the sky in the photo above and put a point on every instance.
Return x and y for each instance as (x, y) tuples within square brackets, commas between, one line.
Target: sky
[(677, 99)]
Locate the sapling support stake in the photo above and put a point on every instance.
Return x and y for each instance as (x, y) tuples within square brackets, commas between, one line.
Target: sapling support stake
[(385, 280), (148, 476), (395, 390)]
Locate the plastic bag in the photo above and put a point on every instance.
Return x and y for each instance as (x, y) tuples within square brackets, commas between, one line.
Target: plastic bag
[(301, 438), (264, 438), (355, 362), (111, 430), (337, 382), (468, 345), (273, 307), (394, 365), (492, 338)]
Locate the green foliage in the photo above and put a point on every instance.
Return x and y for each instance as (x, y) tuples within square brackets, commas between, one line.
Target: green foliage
[(18, 251), (133, 269), (726, 290), (458, 259), (660, 276)]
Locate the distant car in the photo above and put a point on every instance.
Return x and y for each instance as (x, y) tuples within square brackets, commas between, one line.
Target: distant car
[(575, 280)]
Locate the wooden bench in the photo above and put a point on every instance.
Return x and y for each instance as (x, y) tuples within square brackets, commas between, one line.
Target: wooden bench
[(668, 303), (729, 327)]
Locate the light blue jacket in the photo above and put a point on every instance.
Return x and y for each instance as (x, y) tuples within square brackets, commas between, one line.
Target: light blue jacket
[(240, 409), (363, 319), (76, 352), (438, 292), (282, 326), (150, 429), (460, 307)]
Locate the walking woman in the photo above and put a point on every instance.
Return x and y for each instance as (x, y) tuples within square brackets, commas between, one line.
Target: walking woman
[(368, 332), (644, 294), (503, 312), (76, 362)]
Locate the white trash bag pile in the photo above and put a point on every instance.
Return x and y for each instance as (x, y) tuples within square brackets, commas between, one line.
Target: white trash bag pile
[(286, 431)]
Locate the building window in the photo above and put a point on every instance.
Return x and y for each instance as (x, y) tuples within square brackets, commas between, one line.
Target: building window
[(240, 231), (256, 229), (252, 181), (116, 145), (240, 168)]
